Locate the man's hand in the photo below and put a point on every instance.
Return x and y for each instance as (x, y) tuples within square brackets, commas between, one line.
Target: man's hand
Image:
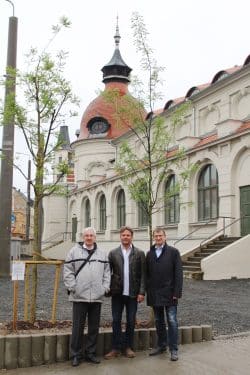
[(140, 298)]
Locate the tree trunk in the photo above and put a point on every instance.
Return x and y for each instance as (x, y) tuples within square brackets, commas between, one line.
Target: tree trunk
[(37, 238)]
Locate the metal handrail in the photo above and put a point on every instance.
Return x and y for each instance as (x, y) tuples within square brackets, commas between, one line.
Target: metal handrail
[(204, 224), (222, 229), (54, 237)]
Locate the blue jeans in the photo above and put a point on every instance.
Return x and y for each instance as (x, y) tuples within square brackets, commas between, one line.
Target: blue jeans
[(126, 341), (172, 337)]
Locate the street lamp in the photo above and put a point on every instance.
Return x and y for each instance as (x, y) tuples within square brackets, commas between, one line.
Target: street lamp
[(6, 180), (13, 8)]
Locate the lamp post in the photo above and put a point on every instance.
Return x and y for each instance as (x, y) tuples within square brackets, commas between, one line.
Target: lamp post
[(6, 180)]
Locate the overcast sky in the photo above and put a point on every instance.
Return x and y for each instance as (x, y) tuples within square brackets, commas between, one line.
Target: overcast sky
[(192, 39)]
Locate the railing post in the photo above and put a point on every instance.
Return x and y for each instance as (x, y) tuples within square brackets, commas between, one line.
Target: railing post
[(26, 292), (224, 226), (56, 286)]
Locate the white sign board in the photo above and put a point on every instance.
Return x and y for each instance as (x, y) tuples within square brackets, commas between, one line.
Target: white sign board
[(18, 270)]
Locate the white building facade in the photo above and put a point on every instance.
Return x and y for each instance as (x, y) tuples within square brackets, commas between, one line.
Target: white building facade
[(216, 136)]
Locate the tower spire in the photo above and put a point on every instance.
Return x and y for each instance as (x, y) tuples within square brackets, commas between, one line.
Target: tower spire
[(117, 36), (116, 70)]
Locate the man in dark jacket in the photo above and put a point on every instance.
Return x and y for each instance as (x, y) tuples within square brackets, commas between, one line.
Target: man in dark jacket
[(127, 264), (164, 287)]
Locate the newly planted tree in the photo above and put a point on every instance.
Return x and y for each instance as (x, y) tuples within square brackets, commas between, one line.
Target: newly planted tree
[(149, 153), (44, 100)]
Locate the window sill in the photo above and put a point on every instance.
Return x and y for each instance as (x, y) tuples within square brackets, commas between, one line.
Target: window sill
[(174, 225), (203, 223), (168, 226), (140, 228)]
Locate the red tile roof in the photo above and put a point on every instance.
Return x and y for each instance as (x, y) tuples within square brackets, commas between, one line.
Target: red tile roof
[(206, 140), (243, 127), (100, 107), (172, 152)]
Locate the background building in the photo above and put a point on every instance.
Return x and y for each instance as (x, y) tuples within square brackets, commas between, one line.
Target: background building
[(19, 215), (216, 136)]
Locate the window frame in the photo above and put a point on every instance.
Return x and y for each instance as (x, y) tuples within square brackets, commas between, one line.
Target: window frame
[(172, 213), (206, 191), (121, 208), (87, 213), (102, 213)]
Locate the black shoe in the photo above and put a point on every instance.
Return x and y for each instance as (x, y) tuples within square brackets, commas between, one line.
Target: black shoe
[(174, 355), (75, 361), (157, 351), (92, 359)]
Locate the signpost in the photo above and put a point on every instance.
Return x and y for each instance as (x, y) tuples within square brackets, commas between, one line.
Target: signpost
[(18, 273)]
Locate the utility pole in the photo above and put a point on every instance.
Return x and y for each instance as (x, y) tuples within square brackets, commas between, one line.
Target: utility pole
[(6, 180)]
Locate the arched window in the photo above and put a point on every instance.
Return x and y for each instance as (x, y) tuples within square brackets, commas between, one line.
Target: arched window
[(172, 206), (121, 209), (142, 213), (102, 213), (87, 220), (208, 205)]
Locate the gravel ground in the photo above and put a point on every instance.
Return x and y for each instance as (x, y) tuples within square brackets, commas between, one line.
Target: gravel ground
[(225, 304)]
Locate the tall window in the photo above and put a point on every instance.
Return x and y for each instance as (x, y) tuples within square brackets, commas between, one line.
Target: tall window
[(208, 207), (121, 210), (87, 214), (102, 213), (142, 213), (172, 206)]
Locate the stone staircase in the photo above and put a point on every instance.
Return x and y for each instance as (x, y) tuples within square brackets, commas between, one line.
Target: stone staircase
[(192, 265)]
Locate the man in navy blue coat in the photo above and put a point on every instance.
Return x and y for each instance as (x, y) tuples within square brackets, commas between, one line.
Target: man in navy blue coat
[(164, 287)]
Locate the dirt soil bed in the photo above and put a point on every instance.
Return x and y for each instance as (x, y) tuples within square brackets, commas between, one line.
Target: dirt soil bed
[(225, 304)]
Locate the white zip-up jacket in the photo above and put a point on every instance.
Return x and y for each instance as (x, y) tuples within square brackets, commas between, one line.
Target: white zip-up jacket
[(93, 280)]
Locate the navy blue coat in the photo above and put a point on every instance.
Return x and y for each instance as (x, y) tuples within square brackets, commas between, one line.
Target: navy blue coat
[(164, 276)]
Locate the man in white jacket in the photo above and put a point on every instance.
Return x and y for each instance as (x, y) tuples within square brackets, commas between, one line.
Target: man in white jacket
[(87, 279)]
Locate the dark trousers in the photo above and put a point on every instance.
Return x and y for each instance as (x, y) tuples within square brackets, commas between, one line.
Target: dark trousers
[(126, 341), (80, 312), (164, 339)]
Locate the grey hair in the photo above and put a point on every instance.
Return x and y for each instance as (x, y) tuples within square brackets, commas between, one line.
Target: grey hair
[(89, 229)]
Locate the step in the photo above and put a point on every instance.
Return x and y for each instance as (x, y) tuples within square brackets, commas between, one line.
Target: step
[(203, 254), (191, 268), (232, 238), (197, 275), (221, 243), (195, 258), (191, 263), (214, 246), (211, 249)]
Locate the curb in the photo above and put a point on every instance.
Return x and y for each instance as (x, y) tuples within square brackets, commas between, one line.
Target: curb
[(38, 349), (232, 335)]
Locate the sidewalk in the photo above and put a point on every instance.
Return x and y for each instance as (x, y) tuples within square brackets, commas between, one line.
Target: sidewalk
[(225, 356)]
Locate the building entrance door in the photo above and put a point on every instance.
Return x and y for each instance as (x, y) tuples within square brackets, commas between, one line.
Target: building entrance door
[(245, 209)]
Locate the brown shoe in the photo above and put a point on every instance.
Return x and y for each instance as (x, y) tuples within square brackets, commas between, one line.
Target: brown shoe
[(112, 354), (129, 353)]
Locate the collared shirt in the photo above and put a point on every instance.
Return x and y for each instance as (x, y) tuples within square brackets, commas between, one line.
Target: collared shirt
[(88, 248), (158, 251), (126, 253)]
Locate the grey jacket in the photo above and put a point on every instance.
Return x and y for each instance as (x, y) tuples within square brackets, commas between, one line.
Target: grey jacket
[(93, 281)]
